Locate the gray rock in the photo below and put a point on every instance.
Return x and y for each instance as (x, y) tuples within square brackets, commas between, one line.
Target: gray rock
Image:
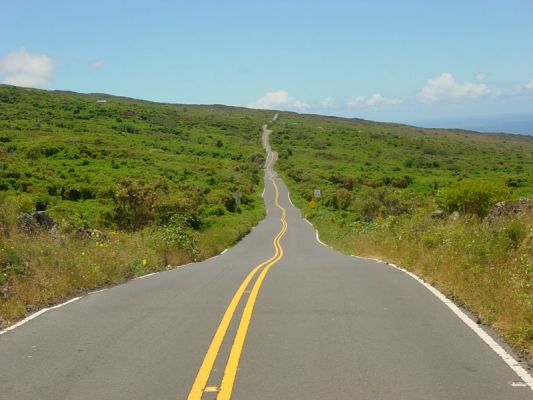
[(28, 224), (44, 220), (36, 222), (454, 216), (506, 209), (437, 214)]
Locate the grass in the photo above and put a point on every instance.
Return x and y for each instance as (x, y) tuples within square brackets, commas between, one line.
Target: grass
[(380, 186), (157, 179)]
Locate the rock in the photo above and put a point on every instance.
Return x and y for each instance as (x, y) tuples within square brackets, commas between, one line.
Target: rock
[(30, 307), (35, 222), (437, 214), (95, 234), (510, 209), (28, 224), (44, 220), (454, 216)]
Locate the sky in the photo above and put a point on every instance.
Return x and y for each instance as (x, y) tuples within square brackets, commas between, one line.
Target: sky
[(404, 61)]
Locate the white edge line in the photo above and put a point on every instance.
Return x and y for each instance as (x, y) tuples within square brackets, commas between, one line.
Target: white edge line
[(145, 276), (184, 265), (317, 235), (224, 251), (263, 194), (98, 291), (509, 359), (289, 196), (318, 239), (35, 315)]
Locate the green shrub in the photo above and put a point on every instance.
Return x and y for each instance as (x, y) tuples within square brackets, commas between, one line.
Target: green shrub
[(472, 196), (24, 203), (342, 199), (133, 204), (176, 234)]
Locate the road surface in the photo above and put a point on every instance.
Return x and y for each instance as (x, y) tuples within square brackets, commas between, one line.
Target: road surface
[(278, 317)]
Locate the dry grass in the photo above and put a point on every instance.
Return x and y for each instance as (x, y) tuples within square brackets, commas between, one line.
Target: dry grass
[(50, 267)]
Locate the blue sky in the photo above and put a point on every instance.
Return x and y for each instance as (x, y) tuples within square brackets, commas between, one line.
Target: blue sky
[(402, 61)]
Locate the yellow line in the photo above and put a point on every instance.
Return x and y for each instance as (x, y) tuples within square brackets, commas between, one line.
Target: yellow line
[(230, 372), (212, 352), (202, 377)]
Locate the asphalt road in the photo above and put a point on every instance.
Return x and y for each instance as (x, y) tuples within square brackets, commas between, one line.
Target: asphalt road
[(279, 316)]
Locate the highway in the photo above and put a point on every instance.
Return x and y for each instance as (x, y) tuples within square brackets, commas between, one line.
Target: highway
[(279, 316)]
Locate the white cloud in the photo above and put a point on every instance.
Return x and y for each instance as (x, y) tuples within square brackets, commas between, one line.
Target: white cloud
[(327, 102), (530, 85), (22, 68), (377, 99), (481, 76), (271, 99), (278, 99), (445, 86), (358, 101), (299, 105), (95, 64)]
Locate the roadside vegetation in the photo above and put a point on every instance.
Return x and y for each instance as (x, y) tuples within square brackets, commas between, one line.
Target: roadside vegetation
[(454, 207), (96, 189)]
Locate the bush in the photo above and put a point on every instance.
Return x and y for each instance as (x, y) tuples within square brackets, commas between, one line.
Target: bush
[(133, 204), (342, 199), (231, 204), (175, 236), (24, 203), (473, 196), (128, 128)]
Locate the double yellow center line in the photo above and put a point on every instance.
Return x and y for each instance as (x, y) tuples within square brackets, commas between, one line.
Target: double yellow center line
[(230, 372)]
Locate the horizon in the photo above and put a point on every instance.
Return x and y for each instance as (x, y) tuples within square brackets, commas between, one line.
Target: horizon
[(404, 63), (436, 124)]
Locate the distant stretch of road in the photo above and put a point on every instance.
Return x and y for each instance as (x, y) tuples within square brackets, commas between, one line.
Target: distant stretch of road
[(279, 316)]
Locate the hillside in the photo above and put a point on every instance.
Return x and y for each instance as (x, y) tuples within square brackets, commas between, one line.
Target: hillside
[(133, 186)]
